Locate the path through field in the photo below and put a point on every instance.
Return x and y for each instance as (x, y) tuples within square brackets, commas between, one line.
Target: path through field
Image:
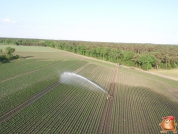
[(112, 92), (108, 103)]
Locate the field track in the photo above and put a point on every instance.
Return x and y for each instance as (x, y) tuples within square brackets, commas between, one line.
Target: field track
[(110, 102), (16, 76), (13, 111)]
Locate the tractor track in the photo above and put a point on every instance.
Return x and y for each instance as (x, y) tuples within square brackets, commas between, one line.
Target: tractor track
[(111, 103), (103, 117), (108, 103), (32, 99)]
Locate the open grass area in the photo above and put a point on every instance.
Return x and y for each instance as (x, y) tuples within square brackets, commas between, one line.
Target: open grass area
[(169, 73), (138, 100)]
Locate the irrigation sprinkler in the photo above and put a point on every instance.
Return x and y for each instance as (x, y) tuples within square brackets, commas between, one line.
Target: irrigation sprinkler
[(109, 96)]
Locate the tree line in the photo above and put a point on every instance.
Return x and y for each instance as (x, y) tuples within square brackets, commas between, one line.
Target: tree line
[(145, 56)]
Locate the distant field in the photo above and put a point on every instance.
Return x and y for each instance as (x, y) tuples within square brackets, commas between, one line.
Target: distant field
[(76, 106), (170, 73), (30, 48)]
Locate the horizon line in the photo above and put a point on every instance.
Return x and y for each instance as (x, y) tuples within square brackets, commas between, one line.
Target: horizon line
[(87, 41)]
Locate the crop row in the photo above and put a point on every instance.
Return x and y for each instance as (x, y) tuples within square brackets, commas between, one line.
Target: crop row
[(139, 104), (66, 109), (15, 69), (18, 90), (139, 109), (108, 105), (104, 75)]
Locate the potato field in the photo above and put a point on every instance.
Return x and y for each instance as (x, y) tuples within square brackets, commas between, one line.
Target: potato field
[(35, 99)]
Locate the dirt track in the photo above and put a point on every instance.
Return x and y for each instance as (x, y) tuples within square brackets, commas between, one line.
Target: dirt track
[(109, 102), (13, 111), (91, 58), (103, 115)]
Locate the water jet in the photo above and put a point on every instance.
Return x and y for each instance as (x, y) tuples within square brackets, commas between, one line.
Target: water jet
[(68, 75)]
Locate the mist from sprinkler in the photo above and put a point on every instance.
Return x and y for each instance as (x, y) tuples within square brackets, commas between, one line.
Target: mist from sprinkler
[(67, 76)]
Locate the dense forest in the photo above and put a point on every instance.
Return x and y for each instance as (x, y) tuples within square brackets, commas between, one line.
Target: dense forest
[(145, 56)]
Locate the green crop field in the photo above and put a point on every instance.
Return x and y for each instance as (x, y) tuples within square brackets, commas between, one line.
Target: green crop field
[(36, 98)]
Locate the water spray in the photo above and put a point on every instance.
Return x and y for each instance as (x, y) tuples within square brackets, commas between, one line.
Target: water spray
[(67, 75)]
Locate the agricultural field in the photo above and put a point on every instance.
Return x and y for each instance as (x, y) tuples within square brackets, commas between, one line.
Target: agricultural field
[(52, 91)]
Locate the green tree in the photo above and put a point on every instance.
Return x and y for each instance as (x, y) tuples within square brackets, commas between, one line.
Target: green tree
[(112, 54), (118, 54), (98, 52), (147, 61), (136, 58), (9, 52), (128, 55), (1, 51), (167, 61), (83, 49), (104, 51), (93, 52)]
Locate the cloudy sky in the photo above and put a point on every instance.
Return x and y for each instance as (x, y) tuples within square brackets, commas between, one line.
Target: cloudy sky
[(136, 21)]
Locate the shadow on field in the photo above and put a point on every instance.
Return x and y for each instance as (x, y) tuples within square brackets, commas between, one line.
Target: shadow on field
[(141, 109), (26, 57)]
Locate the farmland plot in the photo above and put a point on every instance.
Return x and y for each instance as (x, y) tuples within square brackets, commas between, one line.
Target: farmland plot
[(66, 109), (137, 104), (140, 105), (18, 89)]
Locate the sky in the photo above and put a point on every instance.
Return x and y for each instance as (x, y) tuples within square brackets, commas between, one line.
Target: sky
[(128, 21)]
